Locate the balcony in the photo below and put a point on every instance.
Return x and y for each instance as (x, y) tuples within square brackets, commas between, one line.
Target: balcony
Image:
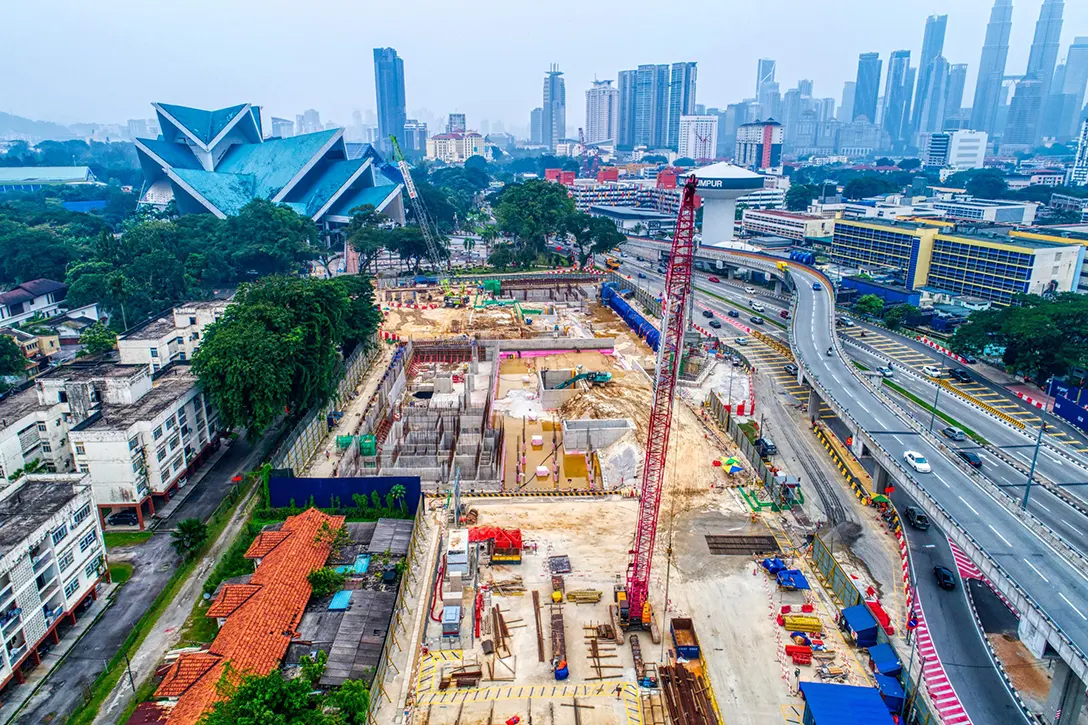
[(16, 654), (52, 615), (42, 560), (10, 621), (47, 582), (6, 595)]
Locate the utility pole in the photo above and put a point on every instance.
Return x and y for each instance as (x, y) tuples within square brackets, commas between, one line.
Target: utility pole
[(1038, 444), (933, 413)]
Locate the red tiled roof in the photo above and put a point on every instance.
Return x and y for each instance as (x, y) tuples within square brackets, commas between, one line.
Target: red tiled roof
[(185, 672), (255, 636), (265, 542), (230, 598)]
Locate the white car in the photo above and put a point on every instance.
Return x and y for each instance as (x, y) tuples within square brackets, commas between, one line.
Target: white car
[(932, 371), (917, 461), (886, 371), (757, 306), (749, 290), (740, 340)]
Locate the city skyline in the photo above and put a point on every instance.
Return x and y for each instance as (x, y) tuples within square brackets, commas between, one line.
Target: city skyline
[(291, 84)]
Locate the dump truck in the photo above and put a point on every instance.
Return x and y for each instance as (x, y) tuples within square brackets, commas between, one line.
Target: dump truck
[(683, 637)]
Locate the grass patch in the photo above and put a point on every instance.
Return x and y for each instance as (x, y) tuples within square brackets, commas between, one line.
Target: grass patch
[(121, 571), (731, 303), (114, 539), (859, 366), (928, 407), (115, 669)]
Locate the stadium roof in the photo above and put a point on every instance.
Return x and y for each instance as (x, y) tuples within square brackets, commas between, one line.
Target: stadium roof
[(45, 174)]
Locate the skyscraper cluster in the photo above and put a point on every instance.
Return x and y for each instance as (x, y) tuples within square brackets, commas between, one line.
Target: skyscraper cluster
[(652, 98)]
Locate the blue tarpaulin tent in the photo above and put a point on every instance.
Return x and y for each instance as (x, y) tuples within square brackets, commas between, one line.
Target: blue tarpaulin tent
[(792, 579), (891, 691), (838, 704), (862, 624), (884, 661)]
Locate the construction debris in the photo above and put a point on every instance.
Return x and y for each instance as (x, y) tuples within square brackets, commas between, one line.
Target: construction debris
[(584, 596), (559, 564), (686, 697)]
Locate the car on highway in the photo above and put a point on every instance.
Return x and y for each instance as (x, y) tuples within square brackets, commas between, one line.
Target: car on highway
[(766, 447), (953, 433), (816, 286), (932, 371), (642, 275), (639, 259), (917, 461), (944, 576), (757, 306), (917, 518), (713, 279), (736, 361), (707, 313), (960, 374), (733, 313), (790, 368), (970, 359), (886, 371), (749, 290), (844, 322), (715, 324), (756, 320), (740, 340), (971, 457), (784, 314)]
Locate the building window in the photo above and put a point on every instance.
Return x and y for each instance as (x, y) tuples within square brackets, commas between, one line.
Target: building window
[(192, 320), (133, 443), (157, 432), (174, 442), (88, 541), (161, 453), (46, 448), (181, 356), (91, 570), (62, 396), (177, 464), (82, 514), (170, 423), (137, 466), (59, 534), (71, 587), (42, 427), (80, 449), (66, 560), (84, 468), (154, 352)]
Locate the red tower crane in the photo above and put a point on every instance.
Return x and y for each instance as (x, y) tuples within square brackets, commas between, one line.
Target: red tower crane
[(669, 352)]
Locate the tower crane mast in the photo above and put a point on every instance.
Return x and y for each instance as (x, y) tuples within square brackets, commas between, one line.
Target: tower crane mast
[(670, 350), (430, 238)]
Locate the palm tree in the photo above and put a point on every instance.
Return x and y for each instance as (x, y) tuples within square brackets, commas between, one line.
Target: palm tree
[(189, 535), (489, 234), (398, 492)]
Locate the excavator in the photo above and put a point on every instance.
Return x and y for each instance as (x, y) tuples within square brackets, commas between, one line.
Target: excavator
[(593, 377)]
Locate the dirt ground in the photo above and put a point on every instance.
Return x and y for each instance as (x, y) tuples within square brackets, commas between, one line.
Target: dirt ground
[(441, 322), (1028, 675)]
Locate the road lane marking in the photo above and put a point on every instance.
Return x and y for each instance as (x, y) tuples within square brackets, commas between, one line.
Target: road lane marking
[(999, 535), (1044, 507), (968, 505), (1073, 606), (1036, 571)]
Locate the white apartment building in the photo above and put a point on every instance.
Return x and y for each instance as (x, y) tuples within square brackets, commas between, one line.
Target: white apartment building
[(765, 198), (1079, 177), (788, 224), (698, 137), (602, 112), (967, 149), (32, 433), (174, 336), (37, 297), (51, 560), (456, 148), (987, 210)]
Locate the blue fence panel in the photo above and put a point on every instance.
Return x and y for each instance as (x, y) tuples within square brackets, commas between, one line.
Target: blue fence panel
[(642, 327), (282, 491)]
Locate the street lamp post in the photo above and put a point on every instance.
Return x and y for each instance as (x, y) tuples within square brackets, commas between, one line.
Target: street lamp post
[(933, 413), (1038, 444)]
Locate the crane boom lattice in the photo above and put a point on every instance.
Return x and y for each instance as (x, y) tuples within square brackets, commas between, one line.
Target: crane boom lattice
[(669, 353), (430, 238)]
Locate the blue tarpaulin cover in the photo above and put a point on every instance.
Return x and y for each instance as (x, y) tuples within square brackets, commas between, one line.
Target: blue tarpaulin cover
[(891, 691), (773, 566), (340, 601), (838, 704), (862, 624), (885, 660), (792, 578)]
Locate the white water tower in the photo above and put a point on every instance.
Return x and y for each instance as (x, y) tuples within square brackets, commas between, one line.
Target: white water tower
[(719, 186)]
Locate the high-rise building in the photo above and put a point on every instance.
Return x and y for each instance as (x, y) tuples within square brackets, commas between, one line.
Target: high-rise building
[(1080, 164), (930, 108), (1026, 110), (536, 124), (625, 134), (791, 114), (805, 86), (770, 100), (825, 109), (308, 122), (415, 138), (957, 79), (759, 145), (602, 112), (966, 149), (868, 86), (651, 105), (389, 88), (681, 99), (846, 108), (300, 123), (991, 68), (698, 137), (1068, 96), (553, 122), (282, 127), (897, 96), (456, 123), (765, 68), (932, 48)]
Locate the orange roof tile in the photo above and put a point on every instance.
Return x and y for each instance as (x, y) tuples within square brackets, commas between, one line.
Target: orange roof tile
[(184, 673), (255, 636), (265, 542), (230, 598)]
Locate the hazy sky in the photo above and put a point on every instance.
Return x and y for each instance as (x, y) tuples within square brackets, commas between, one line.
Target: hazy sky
[(105, 61)]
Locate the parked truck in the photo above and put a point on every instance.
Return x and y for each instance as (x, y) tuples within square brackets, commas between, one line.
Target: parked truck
[(683, 637)]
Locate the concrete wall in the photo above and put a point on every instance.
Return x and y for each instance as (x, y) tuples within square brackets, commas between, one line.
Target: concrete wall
[(580, 435), (557, 343), (551, 398)]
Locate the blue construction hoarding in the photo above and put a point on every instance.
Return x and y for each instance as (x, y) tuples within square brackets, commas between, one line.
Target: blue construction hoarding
[(282, 491)]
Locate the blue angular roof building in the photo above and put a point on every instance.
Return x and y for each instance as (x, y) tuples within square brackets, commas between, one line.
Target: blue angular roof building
[(218, 161)]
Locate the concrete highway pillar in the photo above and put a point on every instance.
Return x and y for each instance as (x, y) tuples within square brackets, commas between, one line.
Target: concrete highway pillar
[(730, 272), (778, 286), (880, 479), (857, 447), (813, 405), (1066, 698)]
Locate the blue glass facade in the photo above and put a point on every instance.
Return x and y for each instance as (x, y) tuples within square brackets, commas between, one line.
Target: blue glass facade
[(895, 250), (978, 270)]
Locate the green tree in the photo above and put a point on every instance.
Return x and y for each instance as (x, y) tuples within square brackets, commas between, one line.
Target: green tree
[(987, 184), (868, 185), (97, 339), (488, 235), (502, 256), (532, 212), (883, 161), (31, 253), (188, 537), (267, 700), (591, 234), (800, 196), (684, 161), (398, 492), (313, 666), (909, 164), (267, 239), (352, 700), (893, 317), (325, 581), (12, 361), (870, 305), (655, 159), (362, 317)]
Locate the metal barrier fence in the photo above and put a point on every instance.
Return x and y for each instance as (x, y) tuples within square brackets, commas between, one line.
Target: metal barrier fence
[(308, 436)]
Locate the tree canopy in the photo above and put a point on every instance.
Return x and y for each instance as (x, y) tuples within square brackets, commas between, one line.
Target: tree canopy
[(12, 360), (273, 700), (800, 196), (532, 212), (869, 305), (591, 234), (97, 339), (869, 185), (1038, 337)]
